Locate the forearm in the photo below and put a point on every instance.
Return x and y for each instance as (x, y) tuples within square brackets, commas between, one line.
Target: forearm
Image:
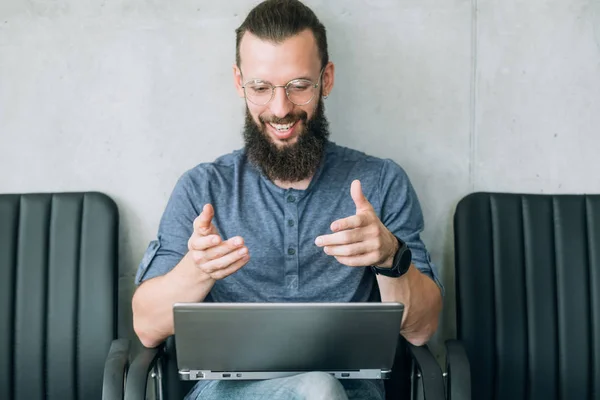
[(153, 301), (422, 300)]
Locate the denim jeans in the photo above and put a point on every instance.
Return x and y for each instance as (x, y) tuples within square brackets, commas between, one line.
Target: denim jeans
[(307, 386)]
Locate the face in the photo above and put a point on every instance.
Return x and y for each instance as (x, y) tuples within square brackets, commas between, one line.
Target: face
[(285, 140)]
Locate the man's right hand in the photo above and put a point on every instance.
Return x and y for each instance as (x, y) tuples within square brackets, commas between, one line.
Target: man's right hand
[(213, 256)]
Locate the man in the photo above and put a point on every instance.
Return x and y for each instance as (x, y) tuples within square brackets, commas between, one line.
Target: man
[(291, 217)]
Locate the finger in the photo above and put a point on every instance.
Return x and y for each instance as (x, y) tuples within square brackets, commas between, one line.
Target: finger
[(360, 201), (339, 238), (363, 260), (224, 248), (198, 242), (348, 250), (225, 272), (203, 223), (352, 222), (224, 261)]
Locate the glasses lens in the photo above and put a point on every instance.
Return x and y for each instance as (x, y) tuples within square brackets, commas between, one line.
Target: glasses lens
[(258, 93), (300, 91)]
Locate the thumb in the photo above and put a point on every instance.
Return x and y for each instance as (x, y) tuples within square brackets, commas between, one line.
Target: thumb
[(204, 222), (361, 202)]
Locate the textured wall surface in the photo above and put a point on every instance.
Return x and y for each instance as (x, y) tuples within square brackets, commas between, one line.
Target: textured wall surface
[(123, 97)]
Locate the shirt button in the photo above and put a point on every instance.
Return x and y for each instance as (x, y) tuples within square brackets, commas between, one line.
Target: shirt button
[(291, 251), (291, 199), (290, 222)]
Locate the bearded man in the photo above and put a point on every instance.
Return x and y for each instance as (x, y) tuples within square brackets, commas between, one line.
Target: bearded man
[(291, 217)]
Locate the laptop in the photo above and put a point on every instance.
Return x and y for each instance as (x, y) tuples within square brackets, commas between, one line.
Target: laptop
[(246, 341)]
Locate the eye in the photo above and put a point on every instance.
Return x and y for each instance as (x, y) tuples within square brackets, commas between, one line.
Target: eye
[(299, 86), (259, 89)]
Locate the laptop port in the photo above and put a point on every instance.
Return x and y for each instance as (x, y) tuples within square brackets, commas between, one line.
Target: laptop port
[(196, 375), (238, 375), (226, 375), (345, 374)]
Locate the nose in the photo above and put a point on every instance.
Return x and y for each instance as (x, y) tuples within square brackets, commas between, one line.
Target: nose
[(280, 106)]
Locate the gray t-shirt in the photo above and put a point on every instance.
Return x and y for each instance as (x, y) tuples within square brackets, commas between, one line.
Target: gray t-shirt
[(280, 226)]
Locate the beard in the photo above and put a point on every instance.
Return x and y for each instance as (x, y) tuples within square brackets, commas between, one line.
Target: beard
[(292, 162)]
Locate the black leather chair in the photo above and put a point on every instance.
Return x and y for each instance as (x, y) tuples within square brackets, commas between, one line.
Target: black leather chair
[(416, 374), (528, 297), (58, 298)]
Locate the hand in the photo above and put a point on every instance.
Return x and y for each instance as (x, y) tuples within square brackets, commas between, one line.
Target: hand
[(215, 257), (360, 240)]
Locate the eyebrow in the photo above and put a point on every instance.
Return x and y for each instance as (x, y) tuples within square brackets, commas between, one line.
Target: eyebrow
[(265, 81), (305, 77)]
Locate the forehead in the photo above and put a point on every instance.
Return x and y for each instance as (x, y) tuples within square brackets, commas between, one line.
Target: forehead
[(297, 56)]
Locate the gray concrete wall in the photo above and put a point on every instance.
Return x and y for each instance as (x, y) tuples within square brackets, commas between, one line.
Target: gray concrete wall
[(123, 96)]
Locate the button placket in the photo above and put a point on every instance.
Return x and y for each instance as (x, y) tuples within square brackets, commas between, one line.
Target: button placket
[(290, 249)]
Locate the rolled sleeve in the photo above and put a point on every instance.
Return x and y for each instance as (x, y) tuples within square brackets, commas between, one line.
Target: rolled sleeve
[(401, 213), (175, 229), (149, 255)]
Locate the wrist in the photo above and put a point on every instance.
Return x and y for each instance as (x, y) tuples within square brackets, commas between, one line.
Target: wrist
[(190, 272), (401, 261), (389, 262)]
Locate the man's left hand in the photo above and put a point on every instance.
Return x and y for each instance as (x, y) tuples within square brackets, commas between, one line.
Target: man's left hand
[(360, 240)]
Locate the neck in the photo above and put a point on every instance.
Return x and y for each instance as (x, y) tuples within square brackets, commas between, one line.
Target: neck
[(299, 185)]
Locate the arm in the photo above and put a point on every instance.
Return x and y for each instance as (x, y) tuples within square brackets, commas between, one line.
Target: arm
[(362, 240), (208, 259), (422, 301), (153, 301)]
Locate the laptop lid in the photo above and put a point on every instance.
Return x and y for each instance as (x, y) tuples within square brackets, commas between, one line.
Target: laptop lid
[(283, 337)]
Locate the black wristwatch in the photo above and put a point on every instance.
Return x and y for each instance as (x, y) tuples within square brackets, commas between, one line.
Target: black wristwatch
[(401, 263)]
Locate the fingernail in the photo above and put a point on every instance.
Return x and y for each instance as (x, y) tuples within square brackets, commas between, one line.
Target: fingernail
[(215, 240), (318, 241), (334, 227), (242, 251), (237, 241)]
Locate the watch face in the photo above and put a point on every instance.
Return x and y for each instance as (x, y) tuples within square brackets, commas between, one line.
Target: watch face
[(400, 264), (408, 256), (404, 258)]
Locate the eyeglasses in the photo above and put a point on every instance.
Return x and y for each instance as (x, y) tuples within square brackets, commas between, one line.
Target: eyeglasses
[(298, 91)]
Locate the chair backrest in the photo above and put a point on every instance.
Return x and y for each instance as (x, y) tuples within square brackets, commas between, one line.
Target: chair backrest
[(58, 294), (528, 294)]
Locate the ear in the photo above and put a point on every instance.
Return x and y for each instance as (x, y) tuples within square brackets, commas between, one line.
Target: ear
[(328, 78), (237, 81)]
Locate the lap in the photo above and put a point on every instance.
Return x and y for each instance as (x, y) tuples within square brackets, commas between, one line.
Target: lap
[(308, 386)]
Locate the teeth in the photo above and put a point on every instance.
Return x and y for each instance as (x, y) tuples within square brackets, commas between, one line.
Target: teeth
[(282, 127)]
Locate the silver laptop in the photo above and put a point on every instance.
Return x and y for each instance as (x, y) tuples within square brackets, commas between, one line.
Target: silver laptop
[(241, 341)]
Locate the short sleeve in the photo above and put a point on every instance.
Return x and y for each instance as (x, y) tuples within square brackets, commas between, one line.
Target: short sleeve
[(175, 229), (401, 214)]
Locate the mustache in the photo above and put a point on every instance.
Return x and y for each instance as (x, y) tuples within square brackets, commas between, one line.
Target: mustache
[(288, 119)]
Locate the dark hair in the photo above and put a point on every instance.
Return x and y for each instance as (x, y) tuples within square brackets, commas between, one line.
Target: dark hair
[(278, 20)]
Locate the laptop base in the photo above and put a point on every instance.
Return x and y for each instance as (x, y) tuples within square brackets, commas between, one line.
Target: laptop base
[(196, 375)]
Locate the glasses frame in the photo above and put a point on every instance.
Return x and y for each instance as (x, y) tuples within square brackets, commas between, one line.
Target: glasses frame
[(286, 86)]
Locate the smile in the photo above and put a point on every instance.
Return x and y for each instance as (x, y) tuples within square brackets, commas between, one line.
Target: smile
[(283, 131)]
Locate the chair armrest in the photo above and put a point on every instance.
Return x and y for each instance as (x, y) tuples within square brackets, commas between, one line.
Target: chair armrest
[(137, 376), (458, 369), (430, 371), (115, 370)]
